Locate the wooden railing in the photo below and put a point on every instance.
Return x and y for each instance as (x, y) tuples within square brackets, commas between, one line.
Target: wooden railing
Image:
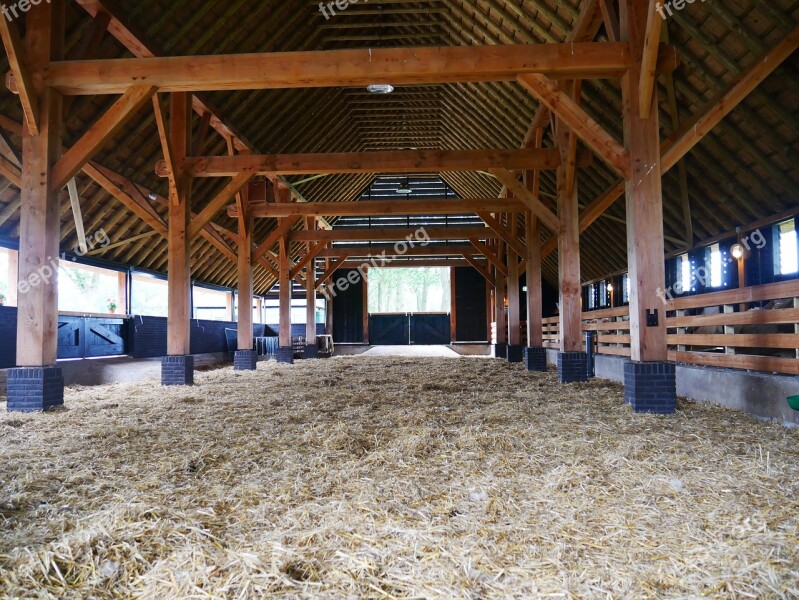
[(754, 328)]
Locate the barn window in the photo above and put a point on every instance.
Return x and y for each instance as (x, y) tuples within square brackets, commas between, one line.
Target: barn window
[(715, 266), (591, 297), (88, 289), (149, 296), (685, 275), (8, 259), (604, 295), (625, 289), (210, 304), (786, 256)]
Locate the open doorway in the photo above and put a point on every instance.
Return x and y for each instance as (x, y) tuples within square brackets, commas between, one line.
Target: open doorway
[(409, 306)]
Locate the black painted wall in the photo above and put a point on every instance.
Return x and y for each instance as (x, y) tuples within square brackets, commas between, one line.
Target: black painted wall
[(470, 305), (8, 337), (348, 312)]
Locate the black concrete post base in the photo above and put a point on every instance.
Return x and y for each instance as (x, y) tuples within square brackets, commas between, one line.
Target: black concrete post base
[(535, 358), (285, 354), (572, 367), (311, 351), (651, 387), (515, 354), (31, 389), (245, 360), (177, 370), (501, 351)]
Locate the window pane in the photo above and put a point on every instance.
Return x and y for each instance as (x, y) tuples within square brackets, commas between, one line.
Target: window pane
[(87, 289), (211, 305), (7, 287), (418, 289), (789, 261), (716, 269), (150, 296)]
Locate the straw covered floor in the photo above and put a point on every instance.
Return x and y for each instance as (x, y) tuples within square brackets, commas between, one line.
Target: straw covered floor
[(362, 477)]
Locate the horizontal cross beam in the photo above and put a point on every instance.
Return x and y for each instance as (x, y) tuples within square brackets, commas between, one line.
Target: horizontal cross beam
[(382, 207), (341, 68), (391, 161), (394, 235)]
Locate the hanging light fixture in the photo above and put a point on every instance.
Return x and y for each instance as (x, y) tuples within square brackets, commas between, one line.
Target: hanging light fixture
[(405, 188), (380, 88), (737, 251)]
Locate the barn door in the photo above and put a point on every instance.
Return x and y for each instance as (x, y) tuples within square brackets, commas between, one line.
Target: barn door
[(70, 337), (104, 337), (389, 330), (430, 329)]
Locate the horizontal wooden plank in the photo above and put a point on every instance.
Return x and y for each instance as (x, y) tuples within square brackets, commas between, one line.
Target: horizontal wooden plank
[(382, 207), (607, 326), (737, 340), (749, 317), (771, 291), (738, 361)]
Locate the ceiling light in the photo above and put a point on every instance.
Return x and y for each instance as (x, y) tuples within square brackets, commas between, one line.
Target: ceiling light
[(380, 88), (405, 188), (610, 287), (152, 196), (737, 251)]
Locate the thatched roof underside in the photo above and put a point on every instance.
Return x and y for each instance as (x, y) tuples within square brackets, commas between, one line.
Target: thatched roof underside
[(745, 170)]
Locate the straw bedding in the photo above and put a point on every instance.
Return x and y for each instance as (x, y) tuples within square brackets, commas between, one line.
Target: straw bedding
[(393, 478)]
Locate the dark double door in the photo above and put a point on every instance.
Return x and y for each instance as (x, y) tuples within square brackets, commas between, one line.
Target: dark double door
[(427, 329)]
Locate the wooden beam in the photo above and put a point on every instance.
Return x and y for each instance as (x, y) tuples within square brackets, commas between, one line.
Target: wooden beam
[(409, 264), (692, 131), (380, 207), (310, 288), (480, 269), (390, 161), (99, 133), (495, 260), (389, 252), (514, 289), (503, 233), (310, 255), (648, 74), (589, 131), (334, 266), (179, 260), (40, 223), (217, 204), (644, 197), (273, 238), (284, 333), (570, 288), (11, 171), (530, 200), (244, 333), (341, 68), (162, 125), (611, 19), (15, 51), (77, 215), (392, 234)]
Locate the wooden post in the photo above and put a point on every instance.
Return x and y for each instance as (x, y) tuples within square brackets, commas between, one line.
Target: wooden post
[(179, 268), (535, 325), (515, 351), (40, 227), (328, 306), (453, 307), (648, 387), (311, 350), (569, 262), (246, 358), (122, 292), (499, 308)]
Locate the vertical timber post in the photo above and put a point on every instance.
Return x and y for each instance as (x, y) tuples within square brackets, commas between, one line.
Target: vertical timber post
[(649, 380), (515, 352), (177, 368), (38, 383), (453, 306), (501, 347), (571, 358), (311, 349), (245, 359)]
